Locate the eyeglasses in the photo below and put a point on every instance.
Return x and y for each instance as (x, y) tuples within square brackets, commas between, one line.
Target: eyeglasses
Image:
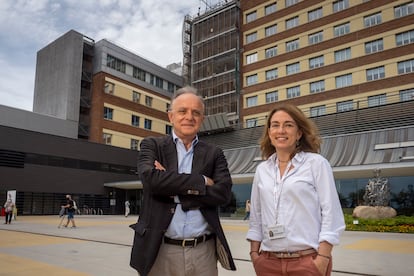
[(286, 126)]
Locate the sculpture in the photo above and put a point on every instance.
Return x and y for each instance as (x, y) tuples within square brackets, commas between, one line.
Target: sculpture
[(376, 199), (377, 191)]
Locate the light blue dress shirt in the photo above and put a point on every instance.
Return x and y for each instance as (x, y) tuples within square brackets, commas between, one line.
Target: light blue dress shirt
[(188, 224)]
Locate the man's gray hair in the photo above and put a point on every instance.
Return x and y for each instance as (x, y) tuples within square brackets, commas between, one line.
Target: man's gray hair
[(187, 90)]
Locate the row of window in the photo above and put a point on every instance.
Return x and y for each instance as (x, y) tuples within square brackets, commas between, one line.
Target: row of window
[(135, 120), (107, 140), (135, 96), (370, 47), (271, 8), (140, 74), (404, 95), (376, 100), (339, 56), (339, 30), (134, 143), (64, 162), (375, 73)]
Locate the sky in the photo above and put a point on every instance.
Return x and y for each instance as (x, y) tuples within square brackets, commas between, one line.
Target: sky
[(151, 29)]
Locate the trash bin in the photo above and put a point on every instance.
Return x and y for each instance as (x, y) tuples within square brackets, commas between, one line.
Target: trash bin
[(3, 212)]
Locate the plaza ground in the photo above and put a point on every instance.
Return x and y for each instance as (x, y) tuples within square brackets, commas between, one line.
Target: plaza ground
[(101, 245)]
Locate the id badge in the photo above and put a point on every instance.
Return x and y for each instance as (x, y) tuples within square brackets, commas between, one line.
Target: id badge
[(276, 231)]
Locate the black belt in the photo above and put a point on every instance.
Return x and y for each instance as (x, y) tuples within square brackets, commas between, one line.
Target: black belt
[(189, 242)]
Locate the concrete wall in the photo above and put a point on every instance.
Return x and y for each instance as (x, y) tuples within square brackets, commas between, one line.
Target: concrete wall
[(18, 118), (53, 164), (58, 77)]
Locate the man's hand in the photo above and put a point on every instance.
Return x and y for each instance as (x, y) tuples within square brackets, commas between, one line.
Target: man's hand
[(158, 166), (209, 181)]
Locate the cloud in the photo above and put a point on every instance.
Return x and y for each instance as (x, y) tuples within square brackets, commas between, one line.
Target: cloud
[(148, 28)]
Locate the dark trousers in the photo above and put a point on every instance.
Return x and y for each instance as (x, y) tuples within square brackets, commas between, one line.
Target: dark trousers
[(9, 217)]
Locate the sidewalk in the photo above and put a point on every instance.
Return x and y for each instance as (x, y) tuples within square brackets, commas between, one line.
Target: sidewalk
[(34, 245)]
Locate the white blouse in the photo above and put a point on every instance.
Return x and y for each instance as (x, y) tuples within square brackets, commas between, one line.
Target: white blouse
[(303, 202)]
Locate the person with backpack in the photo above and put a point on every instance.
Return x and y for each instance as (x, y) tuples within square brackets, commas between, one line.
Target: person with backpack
[(70, 208)]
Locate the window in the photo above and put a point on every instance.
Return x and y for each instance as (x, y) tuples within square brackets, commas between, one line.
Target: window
[(344, 80), (317, 86), (107, 138), (342, 55), (340, 5), (251, 58), (291, 2), (407, 95), (270, 8), (168, 129), (108, 113), (251, 122), (251, 37), (344, 106), (134, 144), (136, 96), (251, 101), (148, 124), (109, 88), (315, 38), (251, 17), (341, 29), (404, 10), (148, 101), (114, 63), (138, 73), (135, 120), (377, 100), (293, 92), (315, 14), (316, 62), (374, 46), (405, 67), (375, 73), (372, 20), (317, 111), (405, 38), (252, 79), (292, 45), (272, 97), (271, 52), (271, 30), (159, 82), (292, 68), (292, 22), (171, 87), (271, 74), (167, 106)]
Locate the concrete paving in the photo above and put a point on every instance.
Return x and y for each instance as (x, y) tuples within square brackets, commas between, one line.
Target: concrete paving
[(100, 245)]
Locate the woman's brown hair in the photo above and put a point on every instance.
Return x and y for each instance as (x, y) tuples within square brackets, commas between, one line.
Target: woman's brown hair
[(310, 140)]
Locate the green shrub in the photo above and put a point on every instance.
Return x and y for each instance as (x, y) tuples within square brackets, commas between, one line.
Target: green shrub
[(399, 224)]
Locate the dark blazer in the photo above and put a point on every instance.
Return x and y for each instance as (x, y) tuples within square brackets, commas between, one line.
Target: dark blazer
[(160, 186)]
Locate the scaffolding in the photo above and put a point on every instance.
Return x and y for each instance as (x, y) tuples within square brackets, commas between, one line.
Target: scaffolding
[(211, 48)]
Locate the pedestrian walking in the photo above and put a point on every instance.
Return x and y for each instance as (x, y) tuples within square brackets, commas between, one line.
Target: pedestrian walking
[(247, 209), (70, 209), (127, 209), (8, 208)]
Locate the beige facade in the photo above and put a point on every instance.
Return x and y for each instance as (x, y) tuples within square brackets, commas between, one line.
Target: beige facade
[(325, 56)]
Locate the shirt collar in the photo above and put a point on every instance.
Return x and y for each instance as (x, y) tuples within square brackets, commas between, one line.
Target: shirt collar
[(175, 139), (296, 159)]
